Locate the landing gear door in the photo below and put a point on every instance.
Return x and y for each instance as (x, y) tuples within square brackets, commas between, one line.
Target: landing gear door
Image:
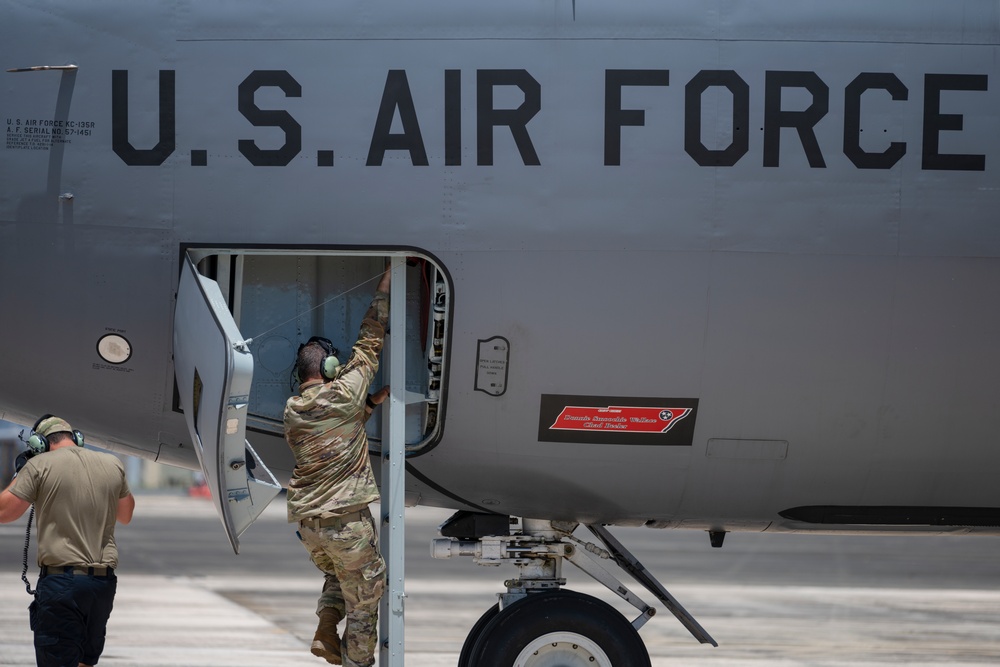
[(214, 371)]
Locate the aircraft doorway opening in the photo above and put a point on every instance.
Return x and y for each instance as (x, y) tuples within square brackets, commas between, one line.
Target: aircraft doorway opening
[(279, 298)]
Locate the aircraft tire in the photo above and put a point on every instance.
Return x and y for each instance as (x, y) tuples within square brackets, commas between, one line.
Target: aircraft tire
[(465, 657), (561, 628)]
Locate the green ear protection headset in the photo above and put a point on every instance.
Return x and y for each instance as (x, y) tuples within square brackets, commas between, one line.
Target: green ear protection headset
[(328, 368), (38, 443)]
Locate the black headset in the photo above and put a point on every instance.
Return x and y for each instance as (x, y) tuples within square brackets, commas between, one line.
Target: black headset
[(330, 364), (38, 443)]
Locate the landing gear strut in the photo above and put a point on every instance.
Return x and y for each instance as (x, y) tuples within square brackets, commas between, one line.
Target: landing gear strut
[(538, 624)]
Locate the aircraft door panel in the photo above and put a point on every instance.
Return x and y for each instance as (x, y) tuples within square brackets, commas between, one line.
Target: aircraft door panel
[(214, 371)]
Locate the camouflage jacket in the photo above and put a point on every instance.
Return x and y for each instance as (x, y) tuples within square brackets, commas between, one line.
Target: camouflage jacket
[(325, 427)]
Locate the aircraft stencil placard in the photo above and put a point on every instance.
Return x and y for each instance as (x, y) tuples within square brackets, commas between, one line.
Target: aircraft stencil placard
[(604, 420), (619, 419)]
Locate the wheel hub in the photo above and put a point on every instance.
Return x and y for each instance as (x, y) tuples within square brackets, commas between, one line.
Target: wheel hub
[(562, 649)]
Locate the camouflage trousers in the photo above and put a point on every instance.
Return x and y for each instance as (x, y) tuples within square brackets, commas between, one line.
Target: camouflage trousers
[(354, 581)]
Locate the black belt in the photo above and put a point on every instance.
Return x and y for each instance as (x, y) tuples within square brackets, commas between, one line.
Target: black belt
[(336, 522), (99, 571)]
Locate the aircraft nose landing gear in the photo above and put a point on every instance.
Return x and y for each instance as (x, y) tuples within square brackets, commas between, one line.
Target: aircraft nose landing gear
[(537, 623), (555, 629)]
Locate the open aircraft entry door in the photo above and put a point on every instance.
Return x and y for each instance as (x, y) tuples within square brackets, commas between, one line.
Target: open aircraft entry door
[(214, 370)]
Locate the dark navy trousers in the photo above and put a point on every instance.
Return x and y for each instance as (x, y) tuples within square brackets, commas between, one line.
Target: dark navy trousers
[(70, 618)]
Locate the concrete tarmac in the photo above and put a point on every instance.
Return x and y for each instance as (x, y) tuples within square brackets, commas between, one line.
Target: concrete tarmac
[(778, 600)]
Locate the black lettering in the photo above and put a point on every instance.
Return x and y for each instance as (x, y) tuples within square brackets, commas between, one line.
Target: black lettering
[(614, 116), (804, 122), (453, 117), (935, 122), (396, 95), (258, 117), (120, 143), (693, 144), (517, 119), (852, 120)]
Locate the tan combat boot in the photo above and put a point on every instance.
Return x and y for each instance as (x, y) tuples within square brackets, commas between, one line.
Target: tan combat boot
[(326, 643)]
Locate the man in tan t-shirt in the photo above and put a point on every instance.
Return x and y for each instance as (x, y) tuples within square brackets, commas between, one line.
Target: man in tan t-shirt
[(79, 494)]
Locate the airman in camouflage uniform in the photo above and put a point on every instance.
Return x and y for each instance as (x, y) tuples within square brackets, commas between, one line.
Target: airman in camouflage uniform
[(333, 483)]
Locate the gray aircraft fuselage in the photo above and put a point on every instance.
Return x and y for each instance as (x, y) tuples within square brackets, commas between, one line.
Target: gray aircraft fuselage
[(727, 266)]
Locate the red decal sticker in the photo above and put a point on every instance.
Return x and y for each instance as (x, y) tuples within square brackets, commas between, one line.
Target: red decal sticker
[(621, 419)]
